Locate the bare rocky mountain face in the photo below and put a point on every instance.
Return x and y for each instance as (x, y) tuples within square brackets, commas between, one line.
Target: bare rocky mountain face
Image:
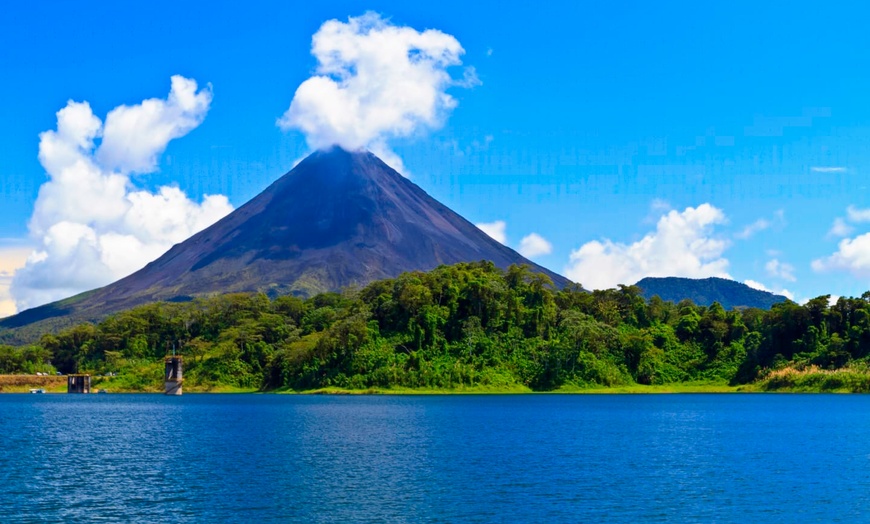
[(337, 219)]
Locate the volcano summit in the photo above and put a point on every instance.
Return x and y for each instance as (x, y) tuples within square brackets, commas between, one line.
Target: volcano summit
[(337, 219)]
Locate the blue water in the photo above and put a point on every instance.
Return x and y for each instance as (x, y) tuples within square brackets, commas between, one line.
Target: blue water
[(543, 458)]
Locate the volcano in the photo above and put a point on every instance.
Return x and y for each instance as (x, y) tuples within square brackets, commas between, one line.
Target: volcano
[(337, 219)]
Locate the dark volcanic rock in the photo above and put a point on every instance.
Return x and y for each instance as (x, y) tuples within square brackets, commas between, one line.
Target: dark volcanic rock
[(705, 291), (337, 219)]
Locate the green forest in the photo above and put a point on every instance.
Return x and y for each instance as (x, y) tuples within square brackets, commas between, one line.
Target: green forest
[(465, 327)]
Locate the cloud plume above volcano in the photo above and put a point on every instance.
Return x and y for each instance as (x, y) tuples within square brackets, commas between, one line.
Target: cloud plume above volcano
[(375, 82)]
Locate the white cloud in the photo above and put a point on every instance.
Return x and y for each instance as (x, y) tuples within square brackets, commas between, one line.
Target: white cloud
[(657, 208), (828, 169), (496, 230), (12, 258), (90, 223), (134, 136), (374, 82), (852, 255), (777, 221), (659, 205), (754, 284), (759, 225), (857, 215), (782, 270), (534, 245), (683, 245), (840, 228)]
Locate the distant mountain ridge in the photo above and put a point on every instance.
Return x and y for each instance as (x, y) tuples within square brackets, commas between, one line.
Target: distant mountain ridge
[(705, 291), (337, 219)]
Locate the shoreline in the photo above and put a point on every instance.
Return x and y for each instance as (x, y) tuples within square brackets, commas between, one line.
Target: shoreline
[(667, 389), (18, 384)]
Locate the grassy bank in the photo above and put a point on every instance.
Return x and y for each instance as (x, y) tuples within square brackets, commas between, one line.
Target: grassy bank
[(812, 379), (788, 380), (135, 384), (466, 390), (683, 387), (121, 384), (677, 387)]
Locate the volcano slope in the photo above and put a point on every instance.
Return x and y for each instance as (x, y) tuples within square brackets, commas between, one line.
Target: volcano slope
[(337, 219)]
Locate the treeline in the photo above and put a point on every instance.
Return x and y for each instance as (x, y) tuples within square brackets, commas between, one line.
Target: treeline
[(462, 325)]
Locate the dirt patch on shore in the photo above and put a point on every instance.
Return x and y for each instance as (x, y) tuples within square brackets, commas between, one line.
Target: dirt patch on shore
[(17, 383)]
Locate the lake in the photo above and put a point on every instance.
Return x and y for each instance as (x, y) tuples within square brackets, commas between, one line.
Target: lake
[(511, 458)]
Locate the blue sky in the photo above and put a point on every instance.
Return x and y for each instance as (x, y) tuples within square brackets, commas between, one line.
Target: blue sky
[(590, 123)]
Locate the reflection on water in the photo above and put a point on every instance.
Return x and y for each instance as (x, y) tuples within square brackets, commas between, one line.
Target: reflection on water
[(267, 458)]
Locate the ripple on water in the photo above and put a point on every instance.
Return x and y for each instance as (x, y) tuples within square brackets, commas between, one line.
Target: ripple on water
[(541, 458)]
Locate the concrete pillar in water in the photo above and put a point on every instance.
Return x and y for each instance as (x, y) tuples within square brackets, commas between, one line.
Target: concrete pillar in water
[(78, 383), (173, 375)]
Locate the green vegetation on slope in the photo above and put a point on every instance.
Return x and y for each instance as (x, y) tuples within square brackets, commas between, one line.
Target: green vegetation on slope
[(469, 327), (706, 291)]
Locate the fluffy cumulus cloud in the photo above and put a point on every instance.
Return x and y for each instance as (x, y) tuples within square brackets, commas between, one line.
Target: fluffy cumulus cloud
[(497, 230), (761, 287), (754, 284), (854, 215), (134, 136), (12, 258), (90, 224), (684, 244), (531, 246), (852, 255), (534, 245), (374, 82)]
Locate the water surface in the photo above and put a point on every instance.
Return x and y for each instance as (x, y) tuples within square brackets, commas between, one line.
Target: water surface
[(514, 458)]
